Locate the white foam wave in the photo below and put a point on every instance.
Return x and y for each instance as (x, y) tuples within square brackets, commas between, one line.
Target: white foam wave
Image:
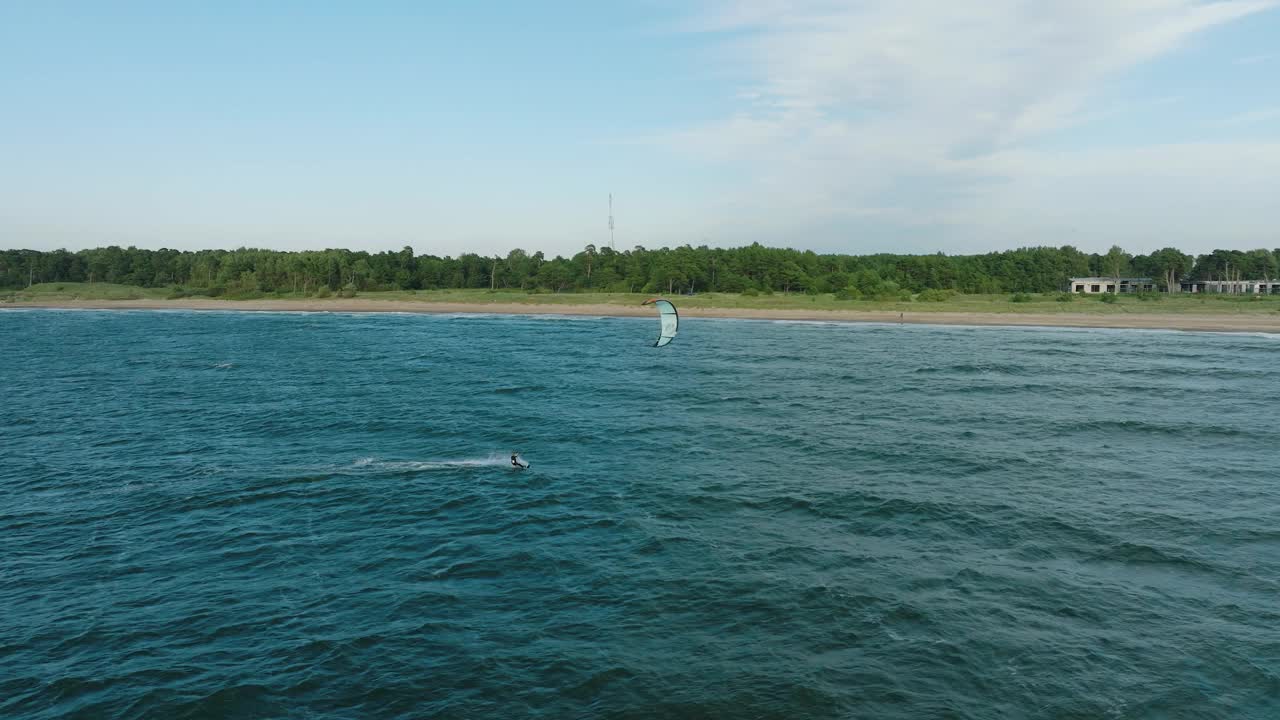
[(492, 460), (580, 317)]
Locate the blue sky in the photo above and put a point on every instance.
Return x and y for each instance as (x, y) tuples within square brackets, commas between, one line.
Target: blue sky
[(855, 126)]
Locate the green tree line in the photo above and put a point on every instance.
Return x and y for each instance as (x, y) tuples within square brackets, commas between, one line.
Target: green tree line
[(753, 268)]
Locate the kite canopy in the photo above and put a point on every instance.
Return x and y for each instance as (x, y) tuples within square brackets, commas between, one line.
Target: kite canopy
[(669, 317)]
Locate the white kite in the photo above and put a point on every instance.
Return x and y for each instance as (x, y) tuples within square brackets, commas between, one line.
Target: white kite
[(669, 317)]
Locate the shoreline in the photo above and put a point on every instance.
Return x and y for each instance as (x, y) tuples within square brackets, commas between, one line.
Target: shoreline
[(1135, 321)]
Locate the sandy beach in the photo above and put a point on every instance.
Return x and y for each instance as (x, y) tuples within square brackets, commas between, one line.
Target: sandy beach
[(1198, 322)]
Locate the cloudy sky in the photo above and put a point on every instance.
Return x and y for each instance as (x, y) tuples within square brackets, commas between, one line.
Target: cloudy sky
[(855, 126)]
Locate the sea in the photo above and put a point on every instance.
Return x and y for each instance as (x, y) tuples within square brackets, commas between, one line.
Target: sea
[(314, 515)]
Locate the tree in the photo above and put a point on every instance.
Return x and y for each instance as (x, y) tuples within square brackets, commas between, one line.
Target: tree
[(360, 273), (790, 275), (583, 262), (1116, 263), (555, 275), (1167, 264), (520, 266), (680, 269), (867, 282)]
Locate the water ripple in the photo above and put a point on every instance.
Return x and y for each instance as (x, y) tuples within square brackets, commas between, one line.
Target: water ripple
[(285, 515)]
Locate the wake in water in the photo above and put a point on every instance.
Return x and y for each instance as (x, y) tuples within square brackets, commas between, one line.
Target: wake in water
[(491, 460)]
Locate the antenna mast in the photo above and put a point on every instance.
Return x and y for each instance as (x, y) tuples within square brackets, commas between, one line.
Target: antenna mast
[(610, 221)]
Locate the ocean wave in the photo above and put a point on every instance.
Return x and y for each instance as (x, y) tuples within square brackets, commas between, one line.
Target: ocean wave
[(1150, 427), (737, 530), (1136, 553), (519, 389)]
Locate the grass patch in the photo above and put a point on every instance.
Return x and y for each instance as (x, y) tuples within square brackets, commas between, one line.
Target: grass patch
[(926, 301), (93, 291), (933, 295)]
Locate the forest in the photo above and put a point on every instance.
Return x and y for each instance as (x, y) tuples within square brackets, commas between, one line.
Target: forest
[(750, 269)]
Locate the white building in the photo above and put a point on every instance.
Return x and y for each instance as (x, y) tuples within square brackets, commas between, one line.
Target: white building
[(1231, 287), (1090, 285)]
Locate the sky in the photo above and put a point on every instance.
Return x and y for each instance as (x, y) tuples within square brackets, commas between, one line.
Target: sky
[(859, 126)]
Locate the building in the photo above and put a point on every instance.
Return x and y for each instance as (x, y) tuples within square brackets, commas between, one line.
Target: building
[(1231, 287), (1090, 285)]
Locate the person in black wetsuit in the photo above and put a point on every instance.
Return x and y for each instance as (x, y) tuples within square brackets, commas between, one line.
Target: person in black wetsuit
[(515, 461)]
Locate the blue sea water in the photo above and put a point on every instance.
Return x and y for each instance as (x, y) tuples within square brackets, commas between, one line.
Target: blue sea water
[(261, 515)]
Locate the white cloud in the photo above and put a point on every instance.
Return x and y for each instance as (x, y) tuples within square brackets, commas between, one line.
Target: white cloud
[(916, 107)]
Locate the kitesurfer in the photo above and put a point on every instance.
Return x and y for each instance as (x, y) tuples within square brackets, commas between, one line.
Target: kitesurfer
[(515, 461)]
